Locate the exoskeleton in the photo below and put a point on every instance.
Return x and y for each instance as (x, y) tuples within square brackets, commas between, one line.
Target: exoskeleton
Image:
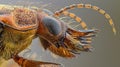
[(20, 25)]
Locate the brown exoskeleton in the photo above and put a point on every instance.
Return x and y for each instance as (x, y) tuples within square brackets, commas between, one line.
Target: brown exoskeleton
[(20, 25)]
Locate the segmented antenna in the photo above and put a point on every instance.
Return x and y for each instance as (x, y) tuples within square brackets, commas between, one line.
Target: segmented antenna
[(101, 11)]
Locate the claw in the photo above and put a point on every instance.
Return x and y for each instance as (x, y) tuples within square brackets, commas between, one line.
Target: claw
[(89, 31), (85, 42), (89, 36), (86, 48), (85, 39)]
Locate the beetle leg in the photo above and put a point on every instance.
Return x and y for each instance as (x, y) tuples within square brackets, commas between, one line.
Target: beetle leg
[(82, 38), (31, 63), (61, 51), (75, 45), (81, 33), (85, 36)]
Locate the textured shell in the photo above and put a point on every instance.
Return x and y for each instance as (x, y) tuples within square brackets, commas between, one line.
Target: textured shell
[(23, 16), (4, 9)]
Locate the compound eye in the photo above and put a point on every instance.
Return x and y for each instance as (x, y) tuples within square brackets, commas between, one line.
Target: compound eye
[(52, 25)]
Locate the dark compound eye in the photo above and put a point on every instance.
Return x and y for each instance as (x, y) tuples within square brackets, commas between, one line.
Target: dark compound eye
[(1, 27), (52, 25)]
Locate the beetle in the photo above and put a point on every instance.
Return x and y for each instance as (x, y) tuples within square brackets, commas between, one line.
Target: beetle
[(20, 25)]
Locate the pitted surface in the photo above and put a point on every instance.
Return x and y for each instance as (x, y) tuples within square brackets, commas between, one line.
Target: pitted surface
[(24, 17)]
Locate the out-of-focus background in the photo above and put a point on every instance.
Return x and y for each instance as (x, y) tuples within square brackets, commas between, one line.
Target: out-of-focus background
[(106, 44)]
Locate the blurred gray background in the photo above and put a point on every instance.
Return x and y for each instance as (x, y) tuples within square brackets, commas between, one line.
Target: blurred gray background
[(106, 44)]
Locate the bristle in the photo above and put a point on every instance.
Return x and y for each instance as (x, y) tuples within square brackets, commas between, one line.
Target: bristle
[(76, 18)]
